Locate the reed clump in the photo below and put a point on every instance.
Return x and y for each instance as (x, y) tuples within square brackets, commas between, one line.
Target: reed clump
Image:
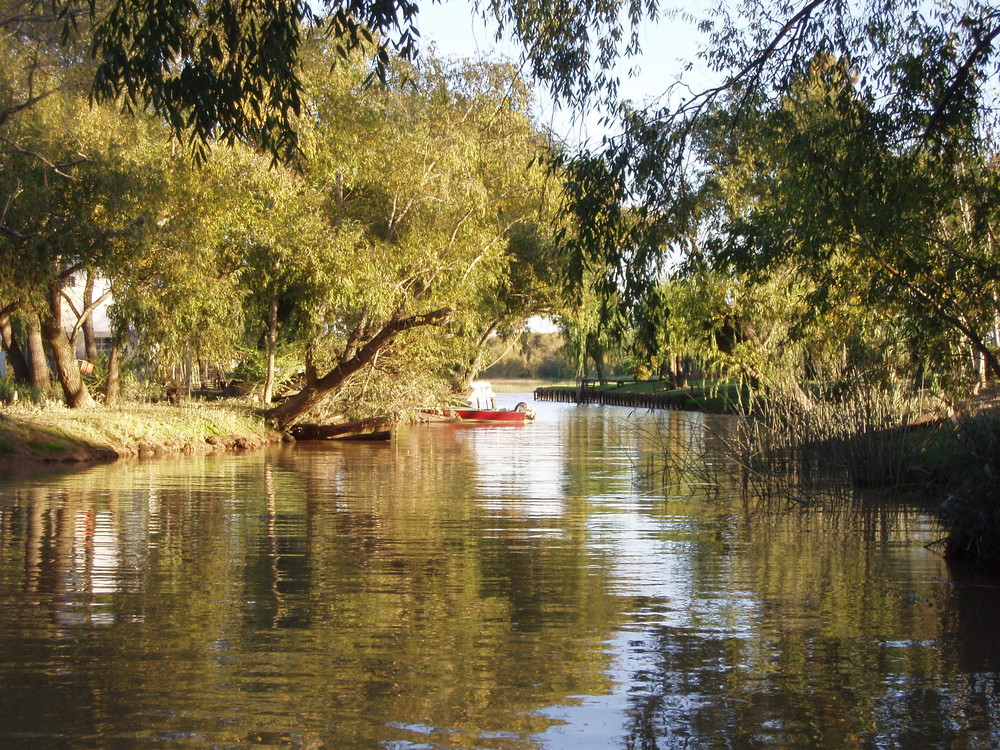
[(679, 455), (808, 447), (831, 445), (970, 510)]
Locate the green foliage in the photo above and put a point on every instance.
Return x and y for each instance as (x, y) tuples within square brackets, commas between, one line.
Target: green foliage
[(815, 243), (252, 368), (427, 200), (232, 72), (970, 511), (863, 221), (8, 389), (529, 355), (838, 187)]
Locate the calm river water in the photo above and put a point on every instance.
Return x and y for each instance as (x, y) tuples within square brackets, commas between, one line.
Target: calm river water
[(475, 587)]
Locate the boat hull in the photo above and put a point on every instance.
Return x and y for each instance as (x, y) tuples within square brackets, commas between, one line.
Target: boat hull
[(489, 415), (486, 416)]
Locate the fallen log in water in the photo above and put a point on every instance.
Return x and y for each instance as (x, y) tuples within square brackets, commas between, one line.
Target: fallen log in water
[(373, 428)]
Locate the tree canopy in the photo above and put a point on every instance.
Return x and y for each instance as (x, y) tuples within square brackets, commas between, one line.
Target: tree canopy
[(851, 145), (406, 208), (847, 149)]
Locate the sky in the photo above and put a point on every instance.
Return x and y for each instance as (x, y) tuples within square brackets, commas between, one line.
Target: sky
[(455, 30)]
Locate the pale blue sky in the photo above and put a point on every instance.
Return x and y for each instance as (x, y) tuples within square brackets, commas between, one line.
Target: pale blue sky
[(456, 30)]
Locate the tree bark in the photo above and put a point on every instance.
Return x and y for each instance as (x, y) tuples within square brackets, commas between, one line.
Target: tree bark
[(470, 369), (468, 373), (339, 200), (75, 390), (596, 351), (979, 367), (111, 384), (272, 345), (287, 413), (15, 357), (89, 337), (41, 377)]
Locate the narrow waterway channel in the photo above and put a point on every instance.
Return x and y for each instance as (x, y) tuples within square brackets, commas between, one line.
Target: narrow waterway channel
[(476, 587)]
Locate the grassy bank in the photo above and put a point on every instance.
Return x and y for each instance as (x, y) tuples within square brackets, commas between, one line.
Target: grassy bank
[(54, 433), (525, 385)]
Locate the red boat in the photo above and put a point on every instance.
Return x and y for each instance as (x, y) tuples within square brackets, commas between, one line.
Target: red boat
[(495, 415), (482, 408), (505, 416)]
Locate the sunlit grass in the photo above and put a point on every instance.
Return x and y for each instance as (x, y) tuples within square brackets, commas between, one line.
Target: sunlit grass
[(53, 431), (518, 385)]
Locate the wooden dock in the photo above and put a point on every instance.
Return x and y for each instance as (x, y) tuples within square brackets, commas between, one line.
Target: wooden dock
[(587, 392)]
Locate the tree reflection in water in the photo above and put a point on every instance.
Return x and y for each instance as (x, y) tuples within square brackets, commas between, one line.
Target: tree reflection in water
[(495, 588)]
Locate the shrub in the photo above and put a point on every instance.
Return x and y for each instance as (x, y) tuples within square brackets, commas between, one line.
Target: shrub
[(970, 511), (8, 389)]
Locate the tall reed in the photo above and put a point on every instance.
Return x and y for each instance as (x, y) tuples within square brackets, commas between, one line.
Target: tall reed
[(681, 455), (831, 442), (828, 449)]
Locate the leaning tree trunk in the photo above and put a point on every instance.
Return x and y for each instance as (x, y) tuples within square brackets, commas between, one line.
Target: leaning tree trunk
[(316, 390), (471, 369), (22, 373), (41, 380), (468, 373), (74, 389)]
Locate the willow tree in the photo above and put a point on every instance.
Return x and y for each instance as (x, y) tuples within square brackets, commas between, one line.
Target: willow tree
[(89, 214), (424, 188), (816, 183), (233, 71)]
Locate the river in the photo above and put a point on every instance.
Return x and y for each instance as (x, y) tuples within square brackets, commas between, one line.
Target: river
[(476, 587)]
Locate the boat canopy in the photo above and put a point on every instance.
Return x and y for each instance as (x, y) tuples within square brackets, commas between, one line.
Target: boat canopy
[(482, 395)]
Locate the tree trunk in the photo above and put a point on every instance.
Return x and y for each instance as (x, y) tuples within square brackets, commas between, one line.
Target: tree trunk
[(339, 200), (41, 377), (74, 389), (316, 390), (469, 371), (89, 337), (272, 344), (111, 384), (979, 367), (15, 357), (597, 355)]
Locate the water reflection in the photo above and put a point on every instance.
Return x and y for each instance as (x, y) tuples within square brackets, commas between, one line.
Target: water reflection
[(474, 587)]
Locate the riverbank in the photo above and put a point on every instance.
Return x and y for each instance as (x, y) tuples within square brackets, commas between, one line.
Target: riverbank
[(700, 395), (858, 441), (57, 434)]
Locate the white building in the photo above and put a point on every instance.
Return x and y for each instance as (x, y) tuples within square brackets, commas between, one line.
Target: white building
[(72, 306)]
